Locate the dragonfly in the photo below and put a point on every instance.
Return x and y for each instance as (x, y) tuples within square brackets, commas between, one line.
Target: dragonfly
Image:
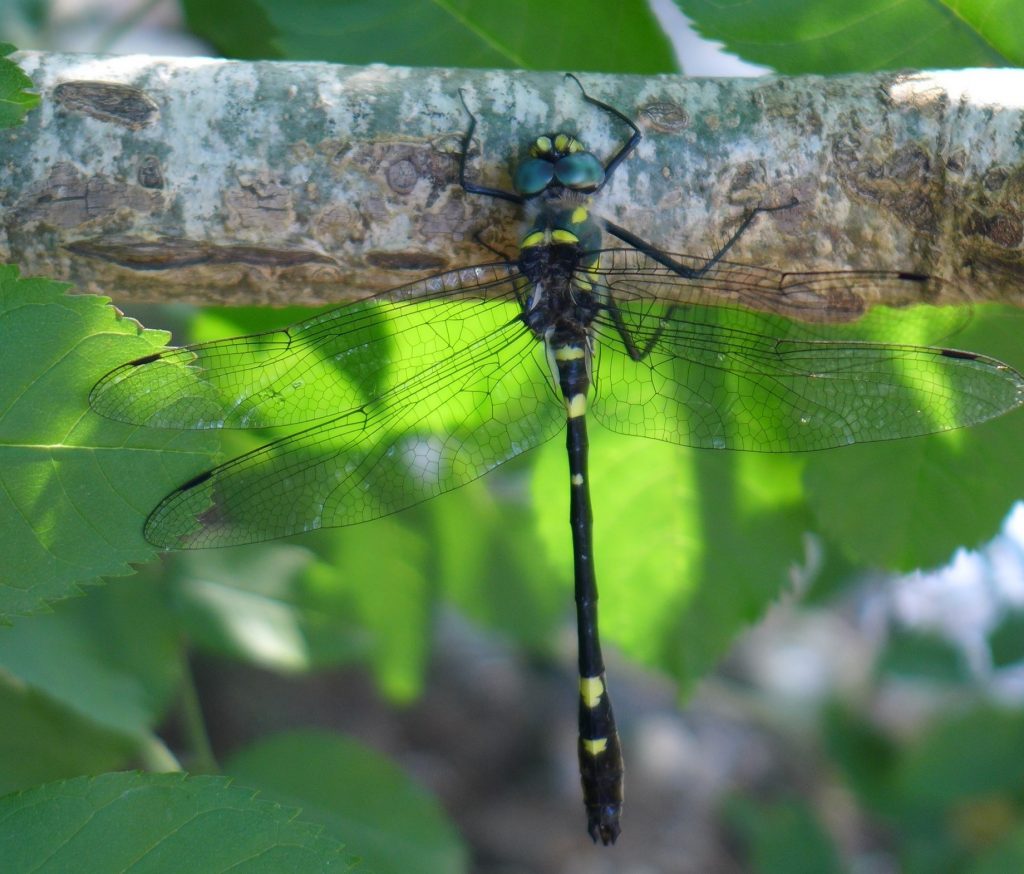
[(400, 397)]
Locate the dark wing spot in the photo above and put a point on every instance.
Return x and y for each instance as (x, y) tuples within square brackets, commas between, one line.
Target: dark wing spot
[(195, 481), (146, 359), (956, 353)]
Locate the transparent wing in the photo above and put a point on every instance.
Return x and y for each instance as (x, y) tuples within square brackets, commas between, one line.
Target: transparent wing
[(487, 401), (313, 370), (755, 359)]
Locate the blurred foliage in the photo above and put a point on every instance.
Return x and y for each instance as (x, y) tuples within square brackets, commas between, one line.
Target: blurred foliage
[(948, 796), (1006, 640), (926, 657), (781, 837)]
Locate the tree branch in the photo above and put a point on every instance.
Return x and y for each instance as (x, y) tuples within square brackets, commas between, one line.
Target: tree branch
[(229, 182)]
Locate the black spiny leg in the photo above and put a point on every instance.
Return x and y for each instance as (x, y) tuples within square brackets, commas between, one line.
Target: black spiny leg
[(472, 187), (622, 153), (666, 260)]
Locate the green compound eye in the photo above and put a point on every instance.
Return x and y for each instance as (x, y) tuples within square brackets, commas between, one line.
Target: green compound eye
[(580, 171), (533, 176)]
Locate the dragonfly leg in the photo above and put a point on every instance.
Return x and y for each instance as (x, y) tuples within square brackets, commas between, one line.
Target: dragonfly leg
[(622, 153), (655, 254), (635, 352), (472, 187), (494, 250)]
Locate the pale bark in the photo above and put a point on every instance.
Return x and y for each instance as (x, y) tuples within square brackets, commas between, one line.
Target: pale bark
[(214, 181)]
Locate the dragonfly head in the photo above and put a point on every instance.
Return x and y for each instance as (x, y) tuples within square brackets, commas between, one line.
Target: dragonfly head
[(558, 162)]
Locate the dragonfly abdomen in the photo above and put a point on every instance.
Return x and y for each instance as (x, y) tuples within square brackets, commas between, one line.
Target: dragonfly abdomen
[(600, 754)]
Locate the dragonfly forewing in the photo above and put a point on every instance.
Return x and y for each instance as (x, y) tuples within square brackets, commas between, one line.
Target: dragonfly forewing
[(314, 370)]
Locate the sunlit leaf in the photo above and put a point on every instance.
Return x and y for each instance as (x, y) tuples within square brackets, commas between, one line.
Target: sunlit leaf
[(795, 36), (75, 487)]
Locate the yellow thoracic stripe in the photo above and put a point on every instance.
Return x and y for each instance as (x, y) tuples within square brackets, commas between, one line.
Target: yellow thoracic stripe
[(560, 235), (579, 215), (535, 239)]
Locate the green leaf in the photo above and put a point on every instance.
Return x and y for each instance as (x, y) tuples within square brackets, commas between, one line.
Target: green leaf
[(75, 487), (158, 823), (533, 34), (237, 28), (15, 101), (690, 546), (820, 36), (998, 23), (1006, 640), (111, 658), (42, 741), (358, 796)]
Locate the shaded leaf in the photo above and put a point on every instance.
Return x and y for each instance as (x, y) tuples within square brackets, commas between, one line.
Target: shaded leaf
[(250, 603), (358, 796), (468, 33), (111, 659), (866, 756), (42, 741), (157, 823), (492, 561)]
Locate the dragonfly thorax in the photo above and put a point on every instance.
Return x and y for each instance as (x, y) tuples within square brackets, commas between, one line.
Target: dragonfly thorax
[(556, 254)]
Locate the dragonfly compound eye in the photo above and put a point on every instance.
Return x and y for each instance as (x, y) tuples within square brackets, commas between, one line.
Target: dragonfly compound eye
[(533, 176), (580, 171)]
